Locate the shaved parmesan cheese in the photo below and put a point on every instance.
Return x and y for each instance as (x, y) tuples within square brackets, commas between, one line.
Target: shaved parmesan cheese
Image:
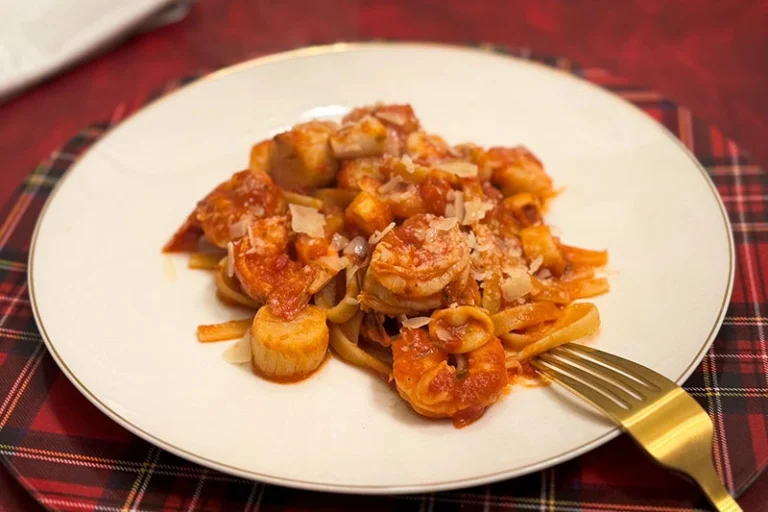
[(442, 224), (257, 210), (475, 210), (230, 259), (456, 208), (338, 242), (334, 263), (471, 240), (458, 204), (536, 264), (378, 235), (410, 191), (442, 333), (544, 274), (307, 220), (516, 285), (459, 168), (390, 185), (415, 322), (408, 163), (239, 352), (239, 228), (511, 270), (392, 117)]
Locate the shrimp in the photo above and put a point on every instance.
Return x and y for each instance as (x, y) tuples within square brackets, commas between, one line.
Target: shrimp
[(420, 257), (267, 273), (260, 259), (376, 297), (436, 389), (274, 279), (246, 196)]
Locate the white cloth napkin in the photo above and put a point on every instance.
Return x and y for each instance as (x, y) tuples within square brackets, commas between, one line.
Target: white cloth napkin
[(41, 37)]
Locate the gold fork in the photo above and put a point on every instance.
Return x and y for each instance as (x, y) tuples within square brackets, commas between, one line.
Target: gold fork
[(664, 420)]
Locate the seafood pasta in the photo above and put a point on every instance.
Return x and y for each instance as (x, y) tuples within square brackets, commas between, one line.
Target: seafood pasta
[(430, 265)]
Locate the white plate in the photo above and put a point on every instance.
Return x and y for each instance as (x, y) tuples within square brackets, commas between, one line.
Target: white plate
[(122, 328)]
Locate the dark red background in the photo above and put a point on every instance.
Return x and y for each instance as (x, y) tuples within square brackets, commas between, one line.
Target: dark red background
[(711, 56)]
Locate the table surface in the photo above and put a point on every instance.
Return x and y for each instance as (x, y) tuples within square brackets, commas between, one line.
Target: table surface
[(709, 56)]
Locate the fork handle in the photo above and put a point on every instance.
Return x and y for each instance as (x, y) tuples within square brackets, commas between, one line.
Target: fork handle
[(706, 476)]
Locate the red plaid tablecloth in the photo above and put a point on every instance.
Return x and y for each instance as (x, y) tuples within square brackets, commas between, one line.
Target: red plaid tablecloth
[(71, 457)]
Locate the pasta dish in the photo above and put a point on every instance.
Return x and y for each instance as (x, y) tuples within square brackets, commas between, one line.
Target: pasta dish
[(427, 264)]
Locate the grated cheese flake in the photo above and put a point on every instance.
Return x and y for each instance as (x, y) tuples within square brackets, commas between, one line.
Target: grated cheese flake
[(392, 117), (305, 219), (458, 205), (239, 228), (408, 164), (536, 264), (416, 322), (238, 352), (471, 240), (442, 333), (378, 235), (516, 285), (475, 210), (390, 185), (230, 259), (443, 224)]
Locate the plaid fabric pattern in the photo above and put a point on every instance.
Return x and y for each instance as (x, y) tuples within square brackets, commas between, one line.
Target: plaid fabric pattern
[(71, 457)]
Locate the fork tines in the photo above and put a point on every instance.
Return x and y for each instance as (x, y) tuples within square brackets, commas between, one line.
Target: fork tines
[(611, 383)]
